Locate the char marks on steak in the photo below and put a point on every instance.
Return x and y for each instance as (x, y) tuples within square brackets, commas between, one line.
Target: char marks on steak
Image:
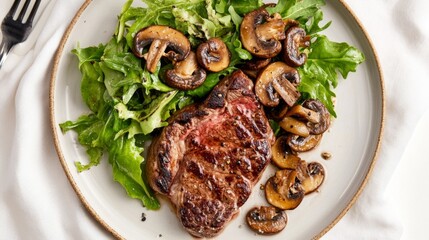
[(210, 156)]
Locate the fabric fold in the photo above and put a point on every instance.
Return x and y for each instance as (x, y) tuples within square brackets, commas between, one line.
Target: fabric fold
[(38, 202)]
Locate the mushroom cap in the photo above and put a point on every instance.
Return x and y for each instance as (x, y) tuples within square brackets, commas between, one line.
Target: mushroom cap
[(186, 74), (324, 122), (303, 113), (310, 175), (283, 191), (256, 63), (274, 80), (278, 112), (295, 38), (266, 219), (260, 34), (213, 55), (294, 126), (282, 156), (303, 144), (161, 38)]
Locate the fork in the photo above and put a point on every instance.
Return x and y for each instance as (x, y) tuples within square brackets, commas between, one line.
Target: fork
[(16, 30)]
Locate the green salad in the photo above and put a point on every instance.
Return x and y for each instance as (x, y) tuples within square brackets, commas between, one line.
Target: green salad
[(129, 104)]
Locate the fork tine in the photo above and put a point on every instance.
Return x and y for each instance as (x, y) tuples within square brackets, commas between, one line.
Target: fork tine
[(23, 10), (12, 10), (33, 12)]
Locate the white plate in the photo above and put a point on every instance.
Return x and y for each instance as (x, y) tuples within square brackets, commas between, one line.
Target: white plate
[(353, 139)]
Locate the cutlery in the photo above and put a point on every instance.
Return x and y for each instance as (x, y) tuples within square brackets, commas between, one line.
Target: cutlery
[(16, 29)]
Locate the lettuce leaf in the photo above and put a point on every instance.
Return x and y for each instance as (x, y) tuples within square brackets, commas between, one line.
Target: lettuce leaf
[(126, 160), (320, 73)]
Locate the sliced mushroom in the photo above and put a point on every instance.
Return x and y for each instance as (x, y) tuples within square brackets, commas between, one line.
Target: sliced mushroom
[(277, 79), (295, 38), (294, 126), (160, 38), (186, 74), (256, 63), (213, 55), (325, 117), (282, 155), (310, 176), (291, 23), (266, 219), (303, 144), (278, 112), (261, 34), (286, 90), (283, 191), (254, 66), (301, 112)]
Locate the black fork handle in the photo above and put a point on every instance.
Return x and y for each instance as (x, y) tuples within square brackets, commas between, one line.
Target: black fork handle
[(5, 47)]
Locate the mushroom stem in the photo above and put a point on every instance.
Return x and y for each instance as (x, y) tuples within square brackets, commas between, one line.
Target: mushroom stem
[(160, 38), (156, 51), (186, 67), (272, 29), (304, 113), (277, 79), (286, 90), (186, 74), (294, 126)]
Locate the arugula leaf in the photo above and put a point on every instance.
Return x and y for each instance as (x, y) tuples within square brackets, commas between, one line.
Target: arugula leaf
[(312, 25), (92, 90), (153, 82), (307, 12), (332, 55), (319, 73), (89, 54), (88, 128), (156, 120), (296, 9)]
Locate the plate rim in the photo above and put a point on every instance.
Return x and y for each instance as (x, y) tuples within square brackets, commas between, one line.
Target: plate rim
[(54, 129)]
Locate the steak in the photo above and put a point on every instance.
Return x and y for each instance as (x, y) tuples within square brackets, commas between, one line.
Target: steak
[(210, 156)]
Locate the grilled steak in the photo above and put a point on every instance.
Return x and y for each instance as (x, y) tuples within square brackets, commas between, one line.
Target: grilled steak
[(210, 156)]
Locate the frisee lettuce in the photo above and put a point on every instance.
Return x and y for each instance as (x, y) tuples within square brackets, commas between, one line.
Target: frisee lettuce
[(128, 103)]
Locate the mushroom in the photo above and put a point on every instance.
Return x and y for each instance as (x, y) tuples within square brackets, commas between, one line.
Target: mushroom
[(266, 219), (277, 79), (303, 144), (324, 122), (295, 38), (278, 112), (300, 112), (261, 34), (310, 176), (252, 67), (186, 74), (213, 55), (283, 191), (256, 63), (282, 155), (160, 38), (294, 126)]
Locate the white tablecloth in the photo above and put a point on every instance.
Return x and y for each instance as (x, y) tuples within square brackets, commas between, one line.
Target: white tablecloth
[(37, 201)]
